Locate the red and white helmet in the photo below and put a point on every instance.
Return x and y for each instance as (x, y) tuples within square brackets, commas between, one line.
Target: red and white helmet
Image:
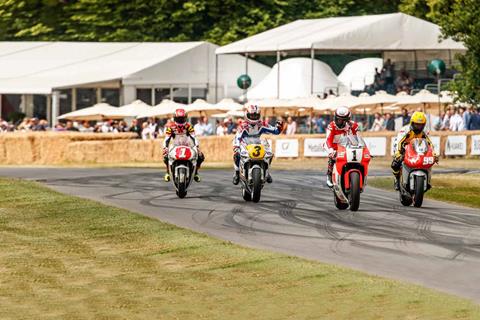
[(252, 114), (180, 117), (342, 116)]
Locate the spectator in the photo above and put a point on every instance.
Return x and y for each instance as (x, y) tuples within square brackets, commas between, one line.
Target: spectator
[(106, 126), (377, 123), (231, 127), (467, 118), (389, 71), (291, 126), (135, 128), (389, 122), (86, 127), (456, 121), (220, 128), (446, 119), (70, 127), (475, 121), (59, 127), (319, 124), (405, 117), (208, 129), (199, 128), (146, 131)]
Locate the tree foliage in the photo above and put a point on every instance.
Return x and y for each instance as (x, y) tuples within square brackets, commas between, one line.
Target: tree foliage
[(219, 21)]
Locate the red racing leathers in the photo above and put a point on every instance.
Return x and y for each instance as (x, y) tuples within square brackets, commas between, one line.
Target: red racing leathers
[(173, 130), (334, 134)]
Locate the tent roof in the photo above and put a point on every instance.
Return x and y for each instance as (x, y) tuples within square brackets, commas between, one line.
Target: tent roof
[(40, 67), (395, 31)]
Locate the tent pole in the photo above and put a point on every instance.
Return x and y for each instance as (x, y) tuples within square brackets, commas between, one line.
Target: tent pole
[(74, 99), (1, 98), (246, 72), (312, 58), (55, 106), (278, 74), (216, 78), (49, 111)]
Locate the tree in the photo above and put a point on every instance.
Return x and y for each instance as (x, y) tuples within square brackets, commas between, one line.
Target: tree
[(459, 19)]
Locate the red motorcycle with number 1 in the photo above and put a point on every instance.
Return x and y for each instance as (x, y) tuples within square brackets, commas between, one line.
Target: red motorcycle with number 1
[(182, 163)]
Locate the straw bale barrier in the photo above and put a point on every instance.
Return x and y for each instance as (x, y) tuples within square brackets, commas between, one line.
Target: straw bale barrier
[(53, 148)]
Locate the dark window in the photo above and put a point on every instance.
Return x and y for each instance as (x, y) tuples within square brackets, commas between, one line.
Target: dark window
[(111, 96), (160, 94), (65, 101), (180, 95), (10, 104), (40, 106), (86, 97), (145, 95)]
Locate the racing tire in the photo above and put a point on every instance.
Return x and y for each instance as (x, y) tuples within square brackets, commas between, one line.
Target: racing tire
[(340, 205), (256, 184), (182, 183), (419, 185), (247, 196), (354, 194)]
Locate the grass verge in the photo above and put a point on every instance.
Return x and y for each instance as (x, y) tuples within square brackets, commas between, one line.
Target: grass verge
[(455, 188), (63, 257)]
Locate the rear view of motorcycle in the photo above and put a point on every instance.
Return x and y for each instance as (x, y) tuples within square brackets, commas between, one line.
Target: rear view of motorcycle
[(182, 162), (255, 157), (350, 172), (416, 172)]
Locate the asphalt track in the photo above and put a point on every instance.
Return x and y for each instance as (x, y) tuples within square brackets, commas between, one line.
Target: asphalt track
[(437, 246)]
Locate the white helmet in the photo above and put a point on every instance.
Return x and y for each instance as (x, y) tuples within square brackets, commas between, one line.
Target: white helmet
[(252, 114), (342, 116)]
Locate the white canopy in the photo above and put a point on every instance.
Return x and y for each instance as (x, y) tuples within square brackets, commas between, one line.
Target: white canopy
[(99, 111), (40, 67), (133, 109), (229, 104), (360, 73), (163, 109), (202, 108), (295, 80), (423, 100), (333, 102), (379, 99), (395, 31)]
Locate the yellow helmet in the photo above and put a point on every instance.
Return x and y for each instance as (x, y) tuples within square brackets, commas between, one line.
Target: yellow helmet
[(418, 121)]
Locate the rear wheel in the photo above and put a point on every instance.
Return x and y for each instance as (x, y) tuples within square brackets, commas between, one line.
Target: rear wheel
[(182, 183), (340, 205), (354, 195), (406, 200), (419, 190), (256, 184)]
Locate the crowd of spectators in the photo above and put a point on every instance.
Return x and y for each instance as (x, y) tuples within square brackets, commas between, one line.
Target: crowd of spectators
[(453, 119), (388, 80)]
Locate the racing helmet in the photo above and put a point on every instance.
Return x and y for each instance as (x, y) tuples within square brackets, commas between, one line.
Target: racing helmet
[(252, 114), (180, 117), (341, 117), (418, 122)]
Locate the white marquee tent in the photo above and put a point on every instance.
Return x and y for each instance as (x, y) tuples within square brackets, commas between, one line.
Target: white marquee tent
[(395, 31), (360, 73), (43, 68), (295, 80)]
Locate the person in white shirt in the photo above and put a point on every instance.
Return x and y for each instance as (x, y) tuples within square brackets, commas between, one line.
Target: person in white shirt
[(220, 129), (199, 128), (377, 123), (291, 126), (456, 122), (207, 127)]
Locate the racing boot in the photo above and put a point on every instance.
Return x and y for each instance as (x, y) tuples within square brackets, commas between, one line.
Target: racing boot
[(396, 184), (329, 180), (197, 177), (236, 178), (166, 177), (268, 177)]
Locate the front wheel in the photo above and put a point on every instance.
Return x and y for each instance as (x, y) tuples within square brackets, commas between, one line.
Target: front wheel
[(419, 191), (182, 183), (256, 184), (354, 195)]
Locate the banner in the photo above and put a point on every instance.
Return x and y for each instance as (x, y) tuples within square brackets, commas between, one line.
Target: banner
[(436, 144), (286, 148), (314, 148), (456, 146), (475, 145), (377, 146)]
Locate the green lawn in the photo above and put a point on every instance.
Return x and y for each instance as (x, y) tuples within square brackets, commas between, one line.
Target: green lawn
[(62, 257), (463, 189)]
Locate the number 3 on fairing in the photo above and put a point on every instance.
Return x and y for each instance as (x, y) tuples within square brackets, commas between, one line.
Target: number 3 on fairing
[(257, 151), (428, 160)]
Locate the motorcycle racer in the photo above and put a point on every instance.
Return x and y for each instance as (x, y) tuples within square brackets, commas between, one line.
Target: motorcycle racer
[(340, 126), (252, 126), (416, 129), (180, 126)]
